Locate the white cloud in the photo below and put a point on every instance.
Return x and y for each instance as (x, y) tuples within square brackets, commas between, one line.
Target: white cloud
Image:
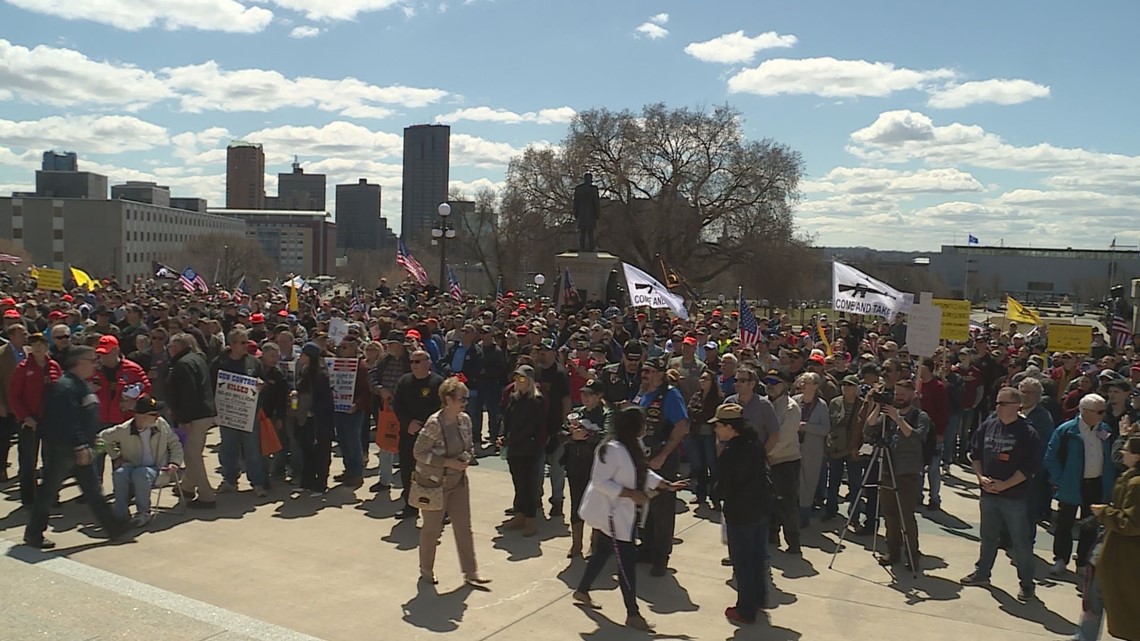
[(832, 78), (737, 47), (200, 148), (505, 116), (470, 188), (330, 10), (206, 87), (334, 139), (478, 152), (878, 180), (64, 77), (84, 134), (996, 91), (654, 28), (305, 31), (133, 15)]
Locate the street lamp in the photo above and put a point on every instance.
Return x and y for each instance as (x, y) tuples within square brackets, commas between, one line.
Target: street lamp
[(441, 233)]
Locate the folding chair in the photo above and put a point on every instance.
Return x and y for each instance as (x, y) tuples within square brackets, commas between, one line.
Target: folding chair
[(166, 479)]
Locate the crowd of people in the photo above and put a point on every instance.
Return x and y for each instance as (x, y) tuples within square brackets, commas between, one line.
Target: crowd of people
[(613, 402)]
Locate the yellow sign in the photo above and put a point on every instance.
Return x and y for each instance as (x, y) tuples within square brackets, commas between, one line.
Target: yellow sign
[(955, 318), (49, 279), (1070, 338)]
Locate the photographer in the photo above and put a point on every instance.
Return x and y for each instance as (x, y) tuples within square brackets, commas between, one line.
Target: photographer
[(903, 429)]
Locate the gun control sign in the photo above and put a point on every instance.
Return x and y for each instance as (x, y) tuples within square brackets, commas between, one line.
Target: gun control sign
[(236, 401), (645, 291), (857, 293)]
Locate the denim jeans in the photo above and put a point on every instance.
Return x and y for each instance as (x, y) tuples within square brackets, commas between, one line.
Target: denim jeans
[(557, 475), (1010, 514), (701, 450), (934, 477), (748, 549), (127, 480), (348, 428), (239, 444), (387, 459), (950, 438), (489, 396), (1092, 608), (835, 469)]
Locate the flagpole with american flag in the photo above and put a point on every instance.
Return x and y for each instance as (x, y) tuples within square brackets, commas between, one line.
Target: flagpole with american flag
[(749, 328), (405, 259), (500, 293), (570, 293), (453, 285), (355, 306)]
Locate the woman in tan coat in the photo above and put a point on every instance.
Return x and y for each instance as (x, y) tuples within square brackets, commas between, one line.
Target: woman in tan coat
[(442, 451), (1119, 564)]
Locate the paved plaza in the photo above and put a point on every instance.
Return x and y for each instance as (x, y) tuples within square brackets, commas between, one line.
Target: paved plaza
[(342, 569)]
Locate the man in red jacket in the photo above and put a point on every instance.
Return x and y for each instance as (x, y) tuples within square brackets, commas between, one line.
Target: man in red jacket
[(118, 382), (26, 395), (935, 401)]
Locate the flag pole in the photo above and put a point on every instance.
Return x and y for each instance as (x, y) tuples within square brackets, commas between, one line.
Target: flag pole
[(966, 280)]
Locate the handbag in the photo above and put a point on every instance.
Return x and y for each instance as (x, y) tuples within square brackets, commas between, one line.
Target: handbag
[(270, 444), (387, 430), (425, 498)]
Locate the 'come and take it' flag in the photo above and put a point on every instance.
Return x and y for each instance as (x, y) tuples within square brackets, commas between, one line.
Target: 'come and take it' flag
[(1015, 311)]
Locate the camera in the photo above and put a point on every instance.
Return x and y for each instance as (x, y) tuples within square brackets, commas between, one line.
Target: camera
[(883, 396)]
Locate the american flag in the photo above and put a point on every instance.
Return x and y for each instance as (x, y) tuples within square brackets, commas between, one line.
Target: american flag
[(356, 306), (405, 259), (9, 258), (192, 281), (749, 328), (1121, 333), (501, 293), (570, 296), (453, 285)]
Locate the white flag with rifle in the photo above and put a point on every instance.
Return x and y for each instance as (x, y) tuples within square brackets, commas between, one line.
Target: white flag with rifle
[(857, 293), (645, 291)]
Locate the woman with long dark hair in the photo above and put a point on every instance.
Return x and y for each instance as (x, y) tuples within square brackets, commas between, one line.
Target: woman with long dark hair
[(700, 444), (314, 416), (524, 436), (616, 501)]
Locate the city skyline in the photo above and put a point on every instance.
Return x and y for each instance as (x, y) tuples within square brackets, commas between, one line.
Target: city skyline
[(917, 126)]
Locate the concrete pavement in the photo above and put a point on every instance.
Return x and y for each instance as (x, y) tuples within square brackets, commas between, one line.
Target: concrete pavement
[(340, 568)]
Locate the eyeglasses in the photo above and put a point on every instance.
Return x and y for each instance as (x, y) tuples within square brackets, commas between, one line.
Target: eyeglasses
[(772, 381), (1096, 411), (61, 338), (418, 360), (463, 399), (1007, 403), (745, 380)]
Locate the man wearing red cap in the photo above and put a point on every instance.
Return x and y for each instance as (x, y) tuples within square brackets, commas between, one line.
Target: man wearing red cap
[(257, 332), (117, 383), (689, 366)]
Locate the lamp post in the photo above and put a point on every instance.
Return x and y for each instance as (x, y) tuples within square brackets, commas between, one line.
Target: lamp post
[(441, 233), (539, 281)]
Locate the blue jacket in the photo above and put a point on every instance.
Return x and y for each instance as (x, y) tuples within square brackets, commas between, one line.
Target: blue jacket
[(1066, 475)]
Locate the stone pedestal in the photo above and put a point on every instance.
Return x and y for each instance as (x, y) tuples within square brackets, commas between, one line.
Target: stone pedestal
[(588, 270)]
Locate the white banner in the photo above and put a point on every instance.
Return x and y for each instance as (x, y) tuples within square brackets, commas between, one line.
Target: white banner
[(342, 375), (236, 401), (854, 292), (645, 291)]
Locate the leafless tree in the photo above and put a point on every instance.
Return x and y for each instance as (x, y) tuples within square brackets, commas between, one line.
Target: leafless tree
[(230, 256)]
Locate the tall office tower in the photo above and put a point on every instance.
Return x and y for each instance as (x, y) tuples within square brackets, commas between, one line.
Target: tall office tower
[(299, 190), (65, 161), (245, 176), (358, 220), (426, 160)]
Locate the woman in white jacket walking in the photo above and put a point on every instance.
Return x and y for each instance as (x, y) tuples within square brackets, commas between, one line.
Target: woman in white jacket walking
[(615, 502)]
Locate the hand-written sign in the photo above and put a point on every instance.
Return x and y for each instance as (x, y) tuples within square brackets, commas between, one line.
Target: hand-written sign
[(955, 318), (236, 400), (342, 375)]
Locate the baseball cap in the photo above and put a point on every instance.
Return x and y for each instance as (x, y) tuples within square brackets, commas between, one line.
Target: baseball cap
[(778, 373), (689, 340), (547, 343), (633, 348), (11, 313), (852, 379), (593, 386), (106, 344), (525, 370), (147, 404)]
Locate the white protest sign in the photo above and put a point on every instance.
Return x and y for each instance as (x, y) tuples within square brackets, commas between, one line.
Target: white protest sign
[(338, 330), (857, 293), (342, 375), (645, 291), (924, 327), (236, 400)]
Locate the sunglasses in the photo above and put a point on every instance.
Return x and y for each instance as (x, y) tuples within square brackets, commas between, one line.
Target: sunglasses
[(61, 338), (1013, 403), (773, 381), (419, 360)]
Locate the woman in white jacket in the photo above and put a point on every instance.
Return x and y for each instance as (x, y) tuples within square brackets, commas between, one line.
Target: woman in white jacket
[(615, 502)]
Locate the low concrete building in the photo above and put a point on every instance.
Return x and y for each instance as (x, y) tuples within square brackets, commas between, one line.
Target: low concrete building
[(298, 241)]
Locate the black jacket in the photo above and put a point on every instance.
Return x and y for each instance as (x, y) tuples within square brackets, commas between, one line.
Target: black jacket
[(472, 361), (579, 456), (524, 425), (494, 371), (190, 388), (742, 481), (71, 413)]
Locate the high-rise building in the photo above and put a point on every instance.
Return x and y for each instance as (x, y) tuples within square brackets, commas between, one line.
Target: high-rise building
[(427, 156), (65, 161), (245, 175), (301, 191), (358, 221)]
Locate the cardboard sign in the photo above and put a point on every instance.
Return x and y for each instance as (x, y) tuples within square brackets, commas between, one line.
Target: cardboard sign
[(50, 279), (955, 318), (342, 375), (923, 327), (236, 400), (338, 330), (1070, 338)]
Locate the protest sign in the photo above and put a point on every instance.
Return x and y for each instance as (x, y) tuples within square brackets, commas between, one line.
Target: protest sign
[(955, 318), (236, 401), (342, 374)]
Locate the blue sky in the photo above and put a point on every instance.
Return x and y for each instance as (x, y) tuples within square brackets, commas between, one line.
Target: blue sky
[(918, 122)]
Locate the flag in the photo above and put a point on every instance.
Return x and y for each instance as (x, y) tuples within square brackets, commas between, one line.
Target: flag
[(857, 293), (1112, 245), (453, 284), (294, 304), (9, 258), (971, 239), (645, 291), (1015, 311), (189, 279), (241, 286), (749, 328), (823, 337), (405, 259), (1121, 332), (674, 279), (162, 271), (82, 279), (200, 284), (501, 293), (571, 293), (355, 306)]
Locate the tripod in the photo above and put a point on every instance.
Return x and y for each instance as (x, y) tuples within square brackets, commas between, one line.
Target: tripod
[(881, 455)]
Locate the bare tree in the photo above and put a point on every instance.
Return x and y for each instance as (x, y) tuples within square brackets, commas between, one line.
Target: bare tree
[(230, 256)]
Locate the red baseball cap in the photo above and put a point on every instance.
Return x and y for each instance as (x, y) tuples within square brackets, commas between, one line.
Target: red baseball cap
[(8, 302), (11, 313), (67, 297), (251, 347), (257, 318), (414, 333), (689, 340), (106, 344), (816, 358), (56, 315)]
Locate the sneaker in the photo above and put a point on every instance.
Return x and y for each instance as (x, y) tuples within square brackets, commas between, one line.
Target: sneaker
[(726, 561), (735, 617), (140, 520), (638, 622), (379, 487), (556, 508), (40, 544), (974, 579), (224, 487), (934, 506), (1026, 594), (1059, 568), (258, 491)]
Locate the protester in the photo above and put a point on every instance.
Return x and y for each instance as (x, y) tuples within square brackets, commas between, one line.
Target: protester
[(1119, 560), (842, 447), (237, 443), (314, 415), (26, 395), (586, 425), (140, 449), (784, 460), (190, 399), (814, 426), (524, 440), (700, 443), (414, 399), (350, 423)]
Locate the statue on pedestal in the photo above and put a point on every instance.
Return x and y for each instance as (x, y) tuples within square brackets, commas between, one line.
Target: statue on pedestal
[(587, 209)]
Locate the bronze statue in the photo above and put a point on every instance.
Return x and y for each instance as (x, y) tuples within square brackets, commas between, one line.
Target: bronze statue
[(587, 210)]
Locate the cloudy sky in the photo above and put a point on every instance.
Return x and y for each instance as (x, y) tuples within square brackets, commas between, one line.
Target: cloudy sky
[(919, 123)]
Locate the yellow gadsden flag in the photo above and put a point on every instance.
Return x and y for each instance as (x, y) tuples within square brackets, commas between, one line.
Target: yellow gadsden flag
[(1015, 311)]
